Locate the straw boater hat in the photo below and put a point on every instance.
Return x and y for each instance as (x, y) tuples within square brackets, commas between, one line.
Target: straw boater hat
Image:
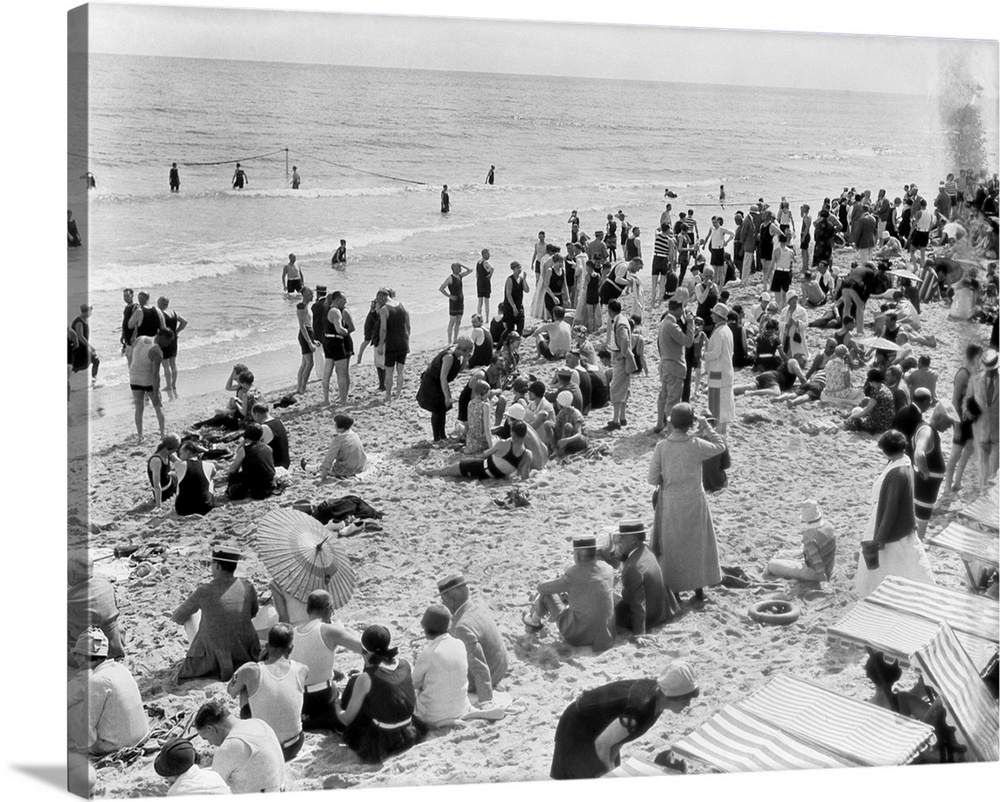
[(451, 582), (585, 542), (989, 359), (677, 679), (226, 554), (632, 527), (810, 512)]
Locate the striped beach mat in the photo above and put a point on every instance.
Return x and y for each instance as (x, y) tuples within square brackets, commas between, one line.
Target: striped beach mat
[(732, 740), (636, 766), (984, 512), (970, 544), (899, 634), (965, 612), (848, 728), (945, 667)]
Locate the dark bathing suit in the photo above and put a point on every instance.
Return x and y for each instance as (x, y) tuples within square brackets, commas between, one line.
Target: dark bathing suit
[(483, 288), (496, 466), (170, 322), (456, 304)]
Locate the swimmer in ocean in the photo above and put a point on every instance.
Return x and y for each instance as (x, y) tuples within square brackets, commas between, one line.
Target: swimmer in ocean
[(445, 200), (239, 177), (669, 193), (91, 180), (291, 276), (340, 255), (295, 177), (175, 178), (489, 175)]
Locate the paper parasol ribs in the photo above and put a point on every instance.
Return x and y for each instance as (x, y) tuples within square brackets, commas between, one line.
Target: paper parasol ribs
[(303, 556)]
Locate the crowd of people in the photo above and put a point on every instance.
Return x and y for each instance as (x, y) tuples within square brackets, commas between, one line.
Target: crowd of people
[(519, 411)]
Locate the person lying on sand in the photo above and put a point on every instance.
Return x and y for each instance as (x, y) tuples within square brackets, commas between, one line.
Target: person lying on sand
[(502, 461)]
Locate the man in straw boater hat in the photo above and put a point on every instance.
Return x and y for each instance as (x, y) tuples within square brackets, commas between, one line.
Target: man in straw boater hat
[(593, 728), (645, 601), (247, 756), (586, 616), (178, 761), (474, 625), (815, 561), (224, 638), (104, 707)]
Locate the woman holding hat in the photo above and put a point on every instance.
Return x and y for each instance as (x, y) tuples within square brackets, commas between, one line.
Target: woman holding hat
[(593, 729), (434, 394), (377, 707), (719, 366), (683, 533)]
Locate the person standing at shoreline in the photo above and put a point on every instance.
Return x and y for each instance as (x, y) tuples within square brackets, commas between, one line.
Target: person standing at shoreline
[(394, 338), (291, 276), (337, 348), (176, 324), (239, 177), (491, 174), (805, 236), (538, 254), (452, 290), (513, 294), (84, 355), (484, 278), (146, 321), (175, 178), (296, 179), (306, 338), (445, 200), (144, 377)]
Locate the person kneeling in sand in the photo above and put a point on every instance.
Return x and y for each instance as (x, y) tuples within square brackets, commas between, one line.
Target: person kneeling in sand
[(581, 601), (502, 461), (441, 672), (815, 562), (252, 472), (346, 454)]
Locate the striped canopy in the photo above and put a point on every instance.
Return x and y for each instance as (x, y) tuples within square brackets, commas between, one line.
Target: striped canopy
[(947, 669), (636, 766), (964, 611), (970, 544), (899, 634), (983, 511), (792, 723), (303, 556)]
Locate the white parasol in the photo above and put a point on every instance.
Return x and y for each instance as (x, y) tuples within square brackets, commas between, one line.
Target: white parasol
[(879, 343), (303, 556)]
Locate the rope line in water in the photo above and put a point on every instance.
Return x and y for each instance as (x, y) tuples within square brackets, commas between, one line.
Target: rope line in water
[(358, 169), (233, 161)]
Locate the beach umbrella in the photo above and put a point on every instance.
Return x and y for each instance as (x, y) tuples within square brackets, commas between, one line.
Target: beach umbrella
[(953, 266), (879, 343), (901, 273), (302, 556)]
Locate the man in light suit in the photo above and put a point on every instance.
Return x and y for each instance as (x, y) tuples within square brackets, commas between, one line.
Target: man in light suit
[(985, 389), (473, 624), (675, 334)]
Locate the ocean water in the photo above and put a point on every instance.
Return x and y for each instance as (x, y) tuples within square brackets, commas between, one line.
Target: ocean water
[(558, 144)]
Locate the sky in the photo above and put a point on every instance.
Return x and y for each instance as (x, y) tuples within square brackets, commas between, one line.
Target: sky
[(645, 52)]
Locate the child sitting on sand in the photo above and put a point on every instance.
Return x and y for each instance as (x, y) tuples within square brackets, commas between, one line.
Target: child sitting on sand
[(815, 561), (480, 415)]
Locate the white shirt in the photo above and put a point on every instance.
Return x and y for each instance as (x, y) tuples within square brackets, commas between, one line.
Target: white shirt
[(441, 680), (250, 759), (197, 780)]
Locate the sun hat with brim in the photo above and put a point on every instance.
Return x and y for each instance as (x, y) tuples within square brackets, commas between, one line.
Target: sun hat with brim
[(585, 542), (677, 679), (989, 359), (810, 512), (175, 757), (91, 643), (632, 527), (451, 582), (226, 555), (721, 310), (514, 412)]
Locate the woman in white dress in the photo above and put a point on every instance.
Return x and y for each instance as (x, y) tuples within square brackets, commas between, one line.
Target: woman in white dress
[(891, 526), (719, 366)]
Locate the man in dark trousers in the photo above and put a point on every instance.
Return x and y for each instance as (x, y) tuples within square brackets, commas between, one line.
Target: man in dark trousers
[(593, 728), (645, 601)]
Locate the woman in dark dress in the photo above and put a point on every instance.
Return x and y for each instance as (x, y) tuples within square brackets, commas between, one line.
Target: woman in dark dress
[(159, 469), (434, 394), (377, 706), (592, 730)]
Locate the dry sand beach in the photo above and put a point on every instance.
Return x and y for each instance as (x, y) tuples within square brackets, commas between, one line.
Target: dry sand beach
[(432, 526)]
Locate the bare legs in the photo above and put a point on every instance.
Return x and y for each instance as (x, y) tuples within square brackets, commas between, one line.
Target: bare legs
[(959, 458), (327, 373), (343, 370), (400, 369), (454, 324), (305, 369)]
